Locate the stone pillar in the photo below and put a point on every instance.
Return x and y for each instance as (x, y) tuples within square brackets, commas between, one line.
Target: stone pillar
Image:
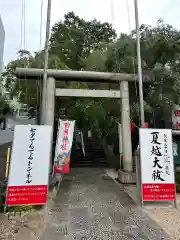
[(125, 123), (50, 102), (50, 109)]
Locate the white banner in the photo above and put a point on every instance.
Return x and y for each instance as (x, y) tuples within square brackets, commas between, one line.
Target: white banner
[(157, 165), (29, 166), (64, 140), (156, 156)]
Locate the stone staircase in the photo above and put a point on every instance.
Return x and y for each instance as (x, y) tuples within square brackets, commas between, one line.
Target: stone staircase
[(94, 155)]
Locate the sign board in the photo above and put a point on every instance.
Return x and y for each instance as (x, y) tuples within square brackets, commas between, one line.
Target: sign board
[(176, 117), (66, 92), (29, 167), (63, 146), (157, 166)]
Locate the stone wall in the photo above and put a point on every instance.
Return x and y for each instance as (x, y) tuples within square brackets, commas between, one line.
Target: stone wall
[(6, 136)]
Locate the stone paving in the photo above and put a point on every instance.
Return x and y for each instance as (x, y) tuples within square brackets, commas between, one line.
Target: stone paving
[(90, 205)]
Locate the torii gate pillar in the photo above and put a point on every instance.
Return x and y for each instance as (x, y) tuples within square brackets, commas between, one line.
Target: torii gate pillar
[(125, 118), (50, 102), (125, 123)]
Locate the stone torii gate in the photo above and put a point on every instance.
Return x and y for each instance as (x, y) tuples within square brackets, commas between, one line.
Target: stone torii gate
[(88, 76)]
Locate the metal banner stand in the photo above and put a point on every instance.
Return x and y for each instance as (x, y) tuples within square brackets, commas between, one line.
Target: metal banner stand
[(175, 133), (138, 177), (175, 200)]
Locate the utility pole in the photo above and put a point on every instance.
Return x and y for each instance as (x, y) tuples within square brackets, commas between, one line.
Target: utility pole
[(46, 50), (141, 100)]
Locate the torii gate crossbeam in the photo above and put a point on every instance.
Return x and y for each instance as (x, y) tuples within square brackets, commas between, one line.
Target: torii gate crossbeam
[(67, 75)]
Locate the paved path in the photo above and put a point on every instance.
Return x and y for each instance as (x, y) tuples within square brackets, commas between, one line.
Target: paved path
[(90, 205)]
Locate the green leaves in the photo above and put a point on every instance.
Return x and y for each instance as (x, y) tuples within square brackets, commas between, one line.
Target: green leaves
[(91, 45), (74, 39)]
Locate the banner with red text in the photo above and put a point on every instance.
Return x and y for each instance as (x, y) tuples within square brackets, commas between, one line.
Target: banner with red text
[(63, 146), (157, 165), (176, 117), (29, 167)]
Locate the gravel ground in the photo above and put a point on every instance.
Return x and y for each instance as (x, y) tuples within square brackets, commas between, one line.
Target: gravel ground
[(28, 226), (165, 215), (31, 227), (90, 205)]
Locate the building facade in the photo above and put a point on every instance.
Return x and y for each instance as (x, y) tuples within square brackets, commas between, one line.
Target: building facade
[(2, 40)]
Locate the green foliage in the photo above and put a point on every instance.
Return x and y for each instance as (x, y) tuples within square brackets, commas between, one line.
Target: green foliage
[(24, 208), (91, 45), (4, 102), (74, 39)]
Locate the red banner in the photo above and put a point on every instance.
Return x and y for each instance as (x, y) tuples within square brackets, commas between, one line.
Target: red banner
[(158, 191), (23, 195), (132, 127), (61, 168)]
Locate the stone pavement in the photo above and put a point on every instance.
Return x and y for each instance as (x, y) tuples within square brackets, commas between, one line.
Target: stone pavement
[(90, 205)]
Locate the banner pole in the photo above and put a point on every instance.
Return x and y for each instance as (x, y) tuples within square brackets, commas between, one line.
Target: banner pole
[(7, 162)]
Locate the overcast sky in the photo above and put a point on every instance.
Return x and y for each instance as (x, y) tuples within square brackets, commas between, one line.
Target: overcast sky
[(10, 10)]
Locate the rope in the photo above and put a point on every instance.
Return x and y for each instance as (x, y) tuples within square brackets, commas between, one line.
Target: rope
[(25, 1), (21, 41), (22, 16), (117, 59), (132, 46), (40, 41), (112, 13), (39, 81), (133, 50), (24, 38), (113, 25)]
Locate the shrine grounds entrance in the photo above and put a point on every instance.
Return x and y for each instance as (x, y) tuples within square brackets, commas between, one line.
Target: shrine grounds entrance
[(84, 76)]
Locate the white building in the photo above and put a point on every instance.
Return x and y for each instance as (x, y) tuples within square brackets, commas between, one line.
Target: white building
[(2, 39)]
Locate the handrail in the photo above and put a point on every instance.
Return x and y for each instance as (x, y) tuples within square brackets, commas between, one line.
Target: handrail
[(82, 143), (176, 132)]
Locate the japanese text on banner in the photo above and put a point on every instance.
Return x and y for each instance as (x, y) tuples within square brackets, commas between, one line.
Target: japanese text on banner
[(30, 155), (157, 157), (65, 140)]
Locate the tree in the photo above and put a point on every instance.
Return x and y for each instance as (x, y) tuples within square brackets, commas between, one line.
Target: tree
[(90, 45), (5, 107), (28, 92), (73, 39), (160, 55), (71, 43), (161, 52)]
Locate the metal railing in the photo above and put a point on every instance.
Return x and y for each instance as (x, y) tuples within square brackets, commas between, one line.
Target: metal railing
[(82, 143)]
